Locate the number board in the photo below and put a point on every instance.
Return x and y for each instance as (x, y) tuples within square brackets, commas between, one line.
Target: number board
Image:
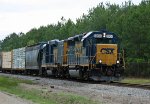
[(109, 36), (97, 35)]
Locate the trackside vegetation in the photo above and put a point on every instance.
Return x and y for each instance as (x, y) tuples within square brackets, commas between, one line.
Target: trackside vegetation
[(11, 85), (136, 81), (130, 22)]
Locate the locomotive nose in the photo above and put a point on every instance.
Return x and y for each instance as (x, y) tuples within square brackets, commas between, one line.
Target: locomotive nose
[(106, 54)]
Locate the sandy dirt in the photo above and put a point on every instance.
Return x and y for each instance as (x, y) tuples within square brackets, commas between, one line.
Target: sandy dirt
[(6, 98)]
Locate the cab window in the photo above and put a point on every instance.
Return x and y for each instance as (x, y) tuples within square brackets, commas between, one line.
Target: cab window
[(105, 41)]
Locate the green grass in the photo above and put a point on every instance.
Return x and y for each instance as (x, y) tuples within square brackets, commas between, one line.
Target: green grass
[(136, 81), (11, 85)]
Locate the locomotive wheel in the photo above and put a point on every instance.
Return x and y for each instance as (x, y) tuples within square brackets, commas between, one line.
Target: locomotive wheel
[(81, 74), (40, 72)]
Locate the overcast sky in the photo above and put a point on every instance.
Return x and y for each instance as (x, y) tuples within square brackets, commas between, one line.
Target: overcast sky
[(23, 15)]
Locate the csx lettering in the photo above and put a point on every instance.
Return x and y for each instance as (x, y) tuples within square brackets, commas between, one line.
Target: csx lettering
[(107, 50)]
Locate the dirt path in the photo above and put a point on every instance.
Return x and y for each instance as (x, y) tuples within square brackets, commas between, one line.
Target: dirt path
[(11, 99)]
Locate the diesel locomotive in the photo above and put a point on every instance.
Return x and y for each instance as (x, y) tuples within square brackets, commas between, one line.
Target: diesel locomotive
[(94, 55)]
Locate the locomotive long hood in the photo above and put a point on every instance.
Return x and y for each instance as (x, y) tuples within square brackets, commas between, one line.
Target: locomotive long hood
[(106, 54)]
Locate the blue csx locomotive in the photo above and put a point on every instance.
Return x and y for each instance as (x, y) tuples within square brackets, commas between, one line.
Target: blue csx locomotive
[(94, 55)]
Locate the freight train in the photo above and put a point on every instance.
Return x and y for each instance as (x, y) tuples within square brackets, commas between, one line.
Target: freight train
[(95, 55)]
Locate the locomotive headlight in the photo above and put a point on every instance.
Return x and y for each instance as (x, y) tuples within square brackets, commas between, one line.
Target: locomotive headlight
[(117, 61), (104, 35), (100, 61)]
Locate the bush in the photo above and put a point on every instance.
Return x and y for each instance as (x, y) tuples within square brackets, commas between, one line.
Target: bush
[(137, 69)]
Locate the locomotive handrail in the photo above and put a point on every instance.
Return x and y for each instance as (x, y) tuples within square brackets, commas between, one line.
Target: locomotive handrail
[(75, 58), (124, 60)]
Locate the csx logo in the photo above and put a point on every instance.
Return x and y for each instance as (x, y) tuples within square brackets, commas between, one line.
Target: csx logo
[(107, 50)]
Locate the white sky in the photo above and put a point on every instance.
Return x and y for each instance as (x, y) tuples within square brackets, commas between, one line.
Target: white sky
[(23, 15)]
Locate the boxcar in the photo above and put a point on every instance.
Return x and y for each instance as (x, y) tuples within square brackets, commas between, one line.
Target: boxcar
[(6, 61), (0, 61), (18, 60)]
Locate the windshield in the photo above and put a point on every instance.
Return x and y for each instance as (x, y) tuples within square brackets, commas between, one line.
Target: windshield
[(105, 41)]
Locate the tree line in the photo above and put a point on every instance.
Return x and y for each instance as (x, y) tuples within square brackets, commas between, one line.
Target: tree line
[(130, 22)]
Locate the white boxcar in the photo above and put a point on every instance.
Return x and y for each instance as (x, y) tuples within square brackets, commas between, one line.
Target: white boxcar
[(18, 60), (7, 60)]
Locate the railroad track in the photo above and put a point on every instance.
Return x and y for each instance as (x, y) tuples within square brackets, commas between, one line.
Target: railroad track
[(119, 84), (142, 86)]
